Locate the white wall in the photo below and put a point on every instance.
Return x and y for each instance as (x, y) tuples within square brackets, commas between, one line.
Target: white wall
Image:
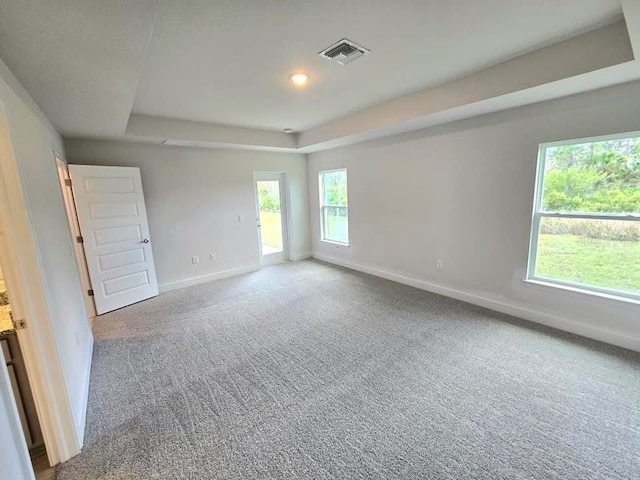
[(34, 141), (463, 193), (194, 197)]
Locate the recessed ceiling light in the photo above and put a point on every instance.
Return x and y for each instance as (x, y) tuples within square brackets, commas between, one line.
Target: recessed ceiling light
[(288, 130), (299, 78)]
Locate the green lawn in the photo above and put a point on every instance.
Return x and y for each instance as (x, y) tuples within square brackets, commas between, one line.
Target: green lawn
[(271, 230), (337, 228), (603, 263)]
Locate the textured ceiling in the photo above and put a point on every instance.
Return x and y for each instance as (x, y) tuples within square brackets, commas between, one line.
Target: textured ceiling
[(227, 62), (79, 59), (89, 63)]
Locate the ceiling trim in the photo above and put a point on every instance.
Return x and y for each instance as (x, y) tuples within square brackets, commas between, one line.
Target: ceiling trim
[(593, 60), (620, 74), (175, 131), (596, 50), (631, 10)]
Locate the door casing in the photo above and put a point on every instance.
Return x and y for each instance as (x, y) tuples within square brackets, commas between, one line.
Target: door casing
[(23, 273), (74, 227), (14, 455)]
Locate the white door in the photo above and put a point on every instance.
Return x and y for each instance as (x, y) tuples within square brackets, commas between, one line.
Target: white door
[(271, 217), (115, 232), (14, 455)]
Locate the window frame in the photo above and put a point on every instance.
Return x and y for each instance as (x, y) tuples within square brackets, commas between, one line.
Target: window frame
[(324, 207), (539, 213)]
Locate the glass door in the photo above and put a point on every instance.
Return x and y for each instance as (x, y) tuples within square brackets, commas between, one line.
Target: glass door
[(271, 217)]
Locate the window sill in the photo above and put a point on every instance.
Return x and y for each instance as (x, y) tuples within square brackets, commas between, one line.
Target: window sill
[(583, 291), (333, 242)]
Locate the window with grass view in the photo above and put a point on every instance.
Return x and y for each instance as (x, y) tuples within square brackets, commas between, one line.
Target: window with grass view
[(586, 221), (334, 209)]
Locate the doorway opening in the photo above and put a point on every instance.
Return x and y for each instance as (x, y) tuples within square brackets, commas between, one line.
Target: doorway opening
[(29, 348), (272, 217), (18, 377)]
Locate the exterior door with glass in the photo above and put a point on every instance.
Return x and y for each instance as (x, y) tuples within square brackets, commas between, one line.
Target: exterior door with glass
[(271, 217)]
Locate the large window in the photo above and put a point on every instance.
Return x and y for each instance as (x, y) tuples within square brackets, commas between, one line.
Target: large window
[(334, 209), (586, 219)]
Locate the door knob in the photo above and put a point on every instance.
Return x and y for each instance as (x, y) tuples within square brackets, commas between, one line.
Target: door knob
[(145, 240)]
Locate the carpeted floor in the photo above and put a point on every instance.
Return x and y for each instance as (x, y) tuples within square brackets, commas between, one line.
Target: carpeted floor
[(308, 371)]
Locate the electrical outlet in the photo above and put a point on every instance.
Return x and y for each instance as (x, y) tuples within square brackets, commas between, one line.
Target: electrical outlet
[(212, 257), (439, 264), (195, 260)]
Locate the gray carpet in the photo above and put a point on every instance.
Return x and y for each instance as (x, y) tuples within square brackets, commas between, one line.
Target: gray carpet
[(308, 371)]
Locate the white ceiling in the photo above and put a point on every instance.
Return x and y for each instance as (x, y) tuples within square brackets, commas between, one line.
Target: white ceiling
[(95, 67), (227, 62), (79, 59)]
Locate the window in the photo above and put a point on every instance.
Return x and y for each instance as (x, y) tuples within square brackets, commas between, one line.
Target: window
[(334, 209), (586, 219)]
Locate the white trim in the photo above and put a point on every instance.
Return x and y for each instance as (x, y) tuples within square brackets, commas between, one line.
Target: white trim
[(85, 390), (538, 214), (285, 217), (333, 242), (582, 291), (188, 282), (632, 217), (37, 342), (289, 216), (323, 207), (14, 448), (537, 316), (302, 256), (599, 138), (74, 229), (535, 219)]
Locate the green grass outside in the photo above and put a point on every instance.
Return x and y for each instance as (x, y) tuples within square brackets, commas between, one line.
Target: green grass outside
[(271, 230), (337, 228), (603, 263), (573, 258)]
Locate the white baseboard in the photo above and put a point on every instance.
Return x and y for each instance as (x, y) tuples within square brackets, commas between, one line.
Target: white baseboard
[(188, 282), (303, 256), (85, 397), (554, 321)]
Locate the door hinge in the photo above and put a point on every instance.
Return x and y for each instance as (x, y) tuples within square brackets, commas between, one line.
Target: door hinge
[(20, 324), (90, 292), (79, 239), (67, 182)]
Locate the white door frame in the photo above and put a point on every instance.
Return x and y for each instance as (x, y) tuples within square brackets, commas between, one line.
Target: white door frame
[(22, 271), (284, 216), (13, 447), (74, 227)]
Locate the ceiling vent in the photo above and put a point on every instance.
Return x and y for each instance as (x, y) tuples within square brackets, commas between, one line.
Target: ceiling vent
[(344, 51)]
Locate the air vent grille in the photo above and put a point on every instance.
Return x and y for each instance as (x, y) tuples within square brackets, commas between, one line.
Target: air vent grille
[(344, 51)]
